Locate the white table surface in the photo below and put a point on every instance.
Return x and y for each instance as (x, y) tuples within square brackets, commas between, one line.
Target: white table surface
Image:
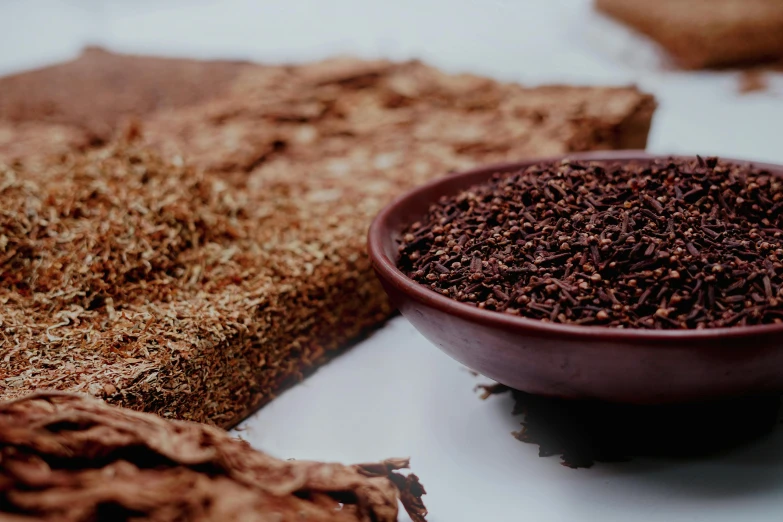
[(395, 394)]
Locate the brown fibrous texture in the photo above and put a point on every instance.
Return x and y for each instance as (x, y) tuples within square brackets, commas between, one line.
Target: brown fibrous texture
[(69, 457), (707, 33), (216, 252)]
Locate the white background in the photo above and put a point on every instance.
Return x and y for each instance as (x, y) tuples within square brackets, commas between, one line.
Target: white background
[(395, 394)]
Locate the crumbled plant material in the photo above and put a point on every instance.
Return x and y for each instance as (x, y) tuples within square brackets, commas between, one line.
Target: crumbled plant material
[(69, 458), (753, 80), (220, 257), (32, 139), (585, 432), (671, 244)]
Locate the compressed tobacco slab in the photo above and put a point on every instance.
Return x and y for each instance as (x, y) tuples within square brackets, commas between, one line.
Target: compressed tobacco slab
[(99, 90), (707, 33), (68, 457), (217, 253)]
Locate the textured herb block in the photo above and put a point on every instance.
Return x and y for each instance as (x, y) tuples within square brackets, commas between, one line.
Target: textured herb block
[(215, 253)]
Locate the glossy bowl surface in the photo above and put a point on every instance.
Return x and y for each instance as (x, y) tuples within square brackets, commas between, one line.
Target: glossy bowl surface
[(579, 362)]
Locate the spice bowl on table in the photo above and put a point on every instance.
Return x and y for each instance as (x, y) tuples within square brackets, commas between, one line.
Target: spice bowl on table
[(616, 276)]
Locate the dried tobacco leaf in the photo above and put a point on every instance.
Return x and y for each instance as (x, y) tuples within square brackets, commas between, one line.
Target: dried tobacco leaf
[(68, 457)]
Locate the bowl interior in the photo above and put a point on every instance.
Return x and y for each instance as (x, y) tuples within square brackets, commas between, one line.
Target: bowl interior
[(414, 204), (387, 227)]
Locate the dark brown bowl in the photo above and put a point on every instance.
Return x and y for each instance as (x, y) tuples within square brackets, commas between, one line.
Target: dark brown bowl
[(585, 362)]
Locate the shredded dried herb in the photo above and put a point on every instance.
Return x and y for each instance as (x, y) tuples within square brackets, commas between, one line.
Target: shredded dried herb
[(673, 244)]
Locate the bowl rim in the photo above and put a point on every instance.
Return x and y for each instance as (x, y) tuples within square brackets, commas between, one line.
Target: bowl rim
[(387, 268)]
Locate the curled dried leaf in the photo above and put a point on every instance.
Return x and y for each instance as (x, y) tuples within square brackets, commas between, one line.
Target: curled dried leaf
[(68, 457)]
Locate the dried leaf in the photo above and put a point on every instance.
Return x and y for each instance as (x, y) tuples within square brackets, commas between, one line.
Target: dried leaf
[(67, 457)]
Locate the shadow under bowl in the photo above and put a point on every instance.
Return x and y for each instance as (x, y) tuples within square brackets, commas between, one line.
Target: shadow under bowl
[(570, 361)]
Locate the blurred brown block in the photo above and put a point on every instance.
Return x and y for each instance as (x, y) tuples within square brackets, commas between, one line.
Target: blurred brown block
[(707, 33)]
